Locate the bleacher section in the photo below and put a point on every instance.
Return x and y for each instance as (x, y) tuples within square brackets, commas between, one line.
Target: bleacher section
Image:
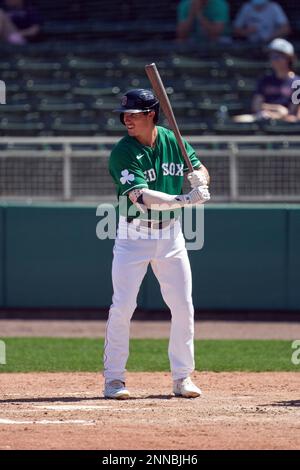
[(93, 51), (72, 88), (135, 19)]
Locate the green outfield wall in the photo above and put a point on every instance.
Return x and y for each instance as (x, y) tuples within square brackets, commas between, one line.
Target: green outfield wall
[(293, 270), (50, 257), (2, 257)]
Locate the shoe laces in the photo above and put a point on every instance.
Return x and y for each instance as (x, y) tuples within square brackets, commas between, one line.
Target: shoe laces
[(187, 381), (116, 384)]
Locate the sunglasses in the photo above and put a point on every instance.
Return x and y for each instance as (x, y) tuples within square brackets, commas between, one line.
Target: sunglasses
[(137, 115), (277, 56)]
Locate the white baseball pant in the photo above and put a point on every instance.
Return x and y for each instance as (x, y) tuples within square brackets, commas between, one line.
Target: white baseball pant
[(170, 264)]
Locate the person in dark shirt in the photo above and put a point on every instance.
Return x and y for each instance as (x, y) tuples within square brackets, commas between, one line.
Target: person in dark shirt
[(25, 18), (8, 31), (274, 94)]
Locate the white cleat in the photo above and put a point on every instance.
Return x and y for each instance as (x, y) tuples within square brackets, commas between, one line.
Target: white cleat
[(116, 389), (186, 388)]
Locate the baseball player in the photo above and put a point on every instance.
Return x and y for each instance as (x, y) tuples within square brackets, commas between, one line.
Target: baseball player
[(148, 169)]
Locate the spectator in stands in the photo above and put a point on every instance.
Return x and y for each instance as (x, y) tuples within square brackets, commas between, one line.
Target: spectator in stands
[(25, 18), (8, 31), (202, 19), (275, 96), (261, 21)]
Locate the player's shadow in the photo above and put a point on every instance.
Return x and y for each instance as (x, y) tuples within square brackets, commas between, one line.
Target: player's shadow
[(158, 397), (79, 399), (48, 399), (289, 403), (145, 397)]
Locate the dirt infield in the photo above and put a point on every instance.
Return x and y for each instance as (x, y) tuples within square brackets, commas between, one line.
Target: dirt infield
[(152, 329), (66, 411)]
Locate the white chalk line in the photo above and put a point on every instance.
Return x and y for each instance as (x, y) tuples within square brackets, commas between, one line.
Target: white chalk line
[(90, 408), (83, 394), (46, 422), (74, 407)]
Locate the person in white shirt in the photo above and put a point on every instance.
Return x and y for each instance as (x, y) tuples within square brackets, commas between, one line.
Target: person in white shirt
[(261, 21)]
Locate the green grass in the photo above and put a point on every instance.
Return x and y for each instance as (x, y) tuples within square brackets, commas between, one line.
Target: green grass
[(76, 354)]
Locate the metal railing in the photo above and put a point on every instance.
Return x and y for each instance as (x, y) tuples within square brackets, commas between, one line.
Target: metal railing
[(242, 168)]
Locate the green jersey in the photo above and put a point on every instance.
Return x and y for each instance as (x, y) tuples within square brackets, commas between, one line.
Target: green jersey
[(216, 11), (133, 165)]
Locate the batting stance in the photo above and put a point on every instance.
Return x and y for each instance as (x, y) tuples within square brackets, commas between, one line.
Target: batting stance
[(148, 169)]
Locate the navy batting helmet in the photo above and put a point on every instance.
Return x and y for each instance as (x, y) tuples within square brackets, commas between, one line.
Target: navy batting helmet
[(138, 101)]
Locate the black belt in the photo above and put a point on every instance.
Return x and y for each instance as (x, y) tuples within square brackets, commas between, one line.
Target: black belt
[(151, 223)]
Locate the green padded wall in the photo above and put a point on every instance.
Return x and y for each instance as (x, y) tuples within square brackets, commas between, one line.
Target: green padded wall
[(50, 257), (54, 258), (2, 258), (293, 280), (242, 264)]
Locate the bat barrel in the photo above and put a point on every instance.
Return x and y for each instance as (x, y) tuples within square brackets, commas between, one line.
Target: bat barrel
[(159, 89)]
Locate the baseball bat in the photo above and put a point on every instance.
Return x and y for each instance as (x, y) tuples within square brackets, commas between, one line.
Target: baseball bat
[(159, 89)]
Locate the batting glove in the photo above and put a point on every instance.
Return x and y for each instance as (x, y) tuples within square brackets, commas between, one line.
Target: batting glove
[(197, 178), (198, 195)]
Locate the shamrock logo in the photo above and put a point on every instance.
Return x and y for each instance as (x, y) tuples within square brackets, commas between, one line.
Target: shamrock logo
[(126, 177)]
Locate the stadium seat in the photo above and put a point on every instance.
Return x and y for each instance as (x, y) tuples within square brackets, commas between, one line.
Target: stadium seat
[(64, 127), (92, 66), (13, 87), (4, 66), (61, 105), (14, 127), (243, 67), (47, 86), (16, 108), (198, 67), (246, 85), (38, 65), (94, 88), (280, 127), (212, 86), (227, 128)]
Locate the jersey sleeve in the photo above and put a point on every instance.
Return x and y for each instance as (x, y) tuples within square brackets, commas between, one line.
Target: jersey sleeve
[(192, 156), (241, 18), (183, 9), (126, 172), (279, 15)]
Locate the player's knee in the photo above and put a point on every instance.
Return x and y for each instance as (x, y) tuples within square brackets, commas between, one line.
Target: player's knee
[(123, 312), (182, 306)]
